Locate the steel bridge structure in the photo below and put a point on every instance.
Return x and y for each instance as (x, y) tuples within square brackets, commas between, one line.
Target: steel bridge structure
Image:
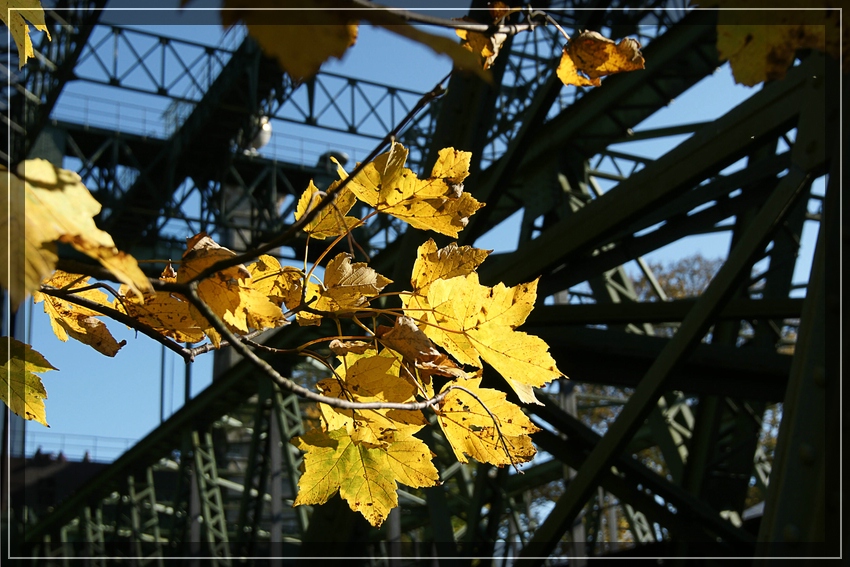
[(217, 479)]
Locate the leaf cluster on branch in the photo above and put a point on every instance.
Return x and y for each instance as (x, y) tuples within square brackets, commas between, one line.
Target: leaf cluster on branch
[(405, 368)]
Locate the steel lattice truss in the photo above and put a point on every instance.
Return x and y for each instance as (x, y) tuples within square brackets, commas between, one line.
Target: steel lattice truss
[(217, 479)]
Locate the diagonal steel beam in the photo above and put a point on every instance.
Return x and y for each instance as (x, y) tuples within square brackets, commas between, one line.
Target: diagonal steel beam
[(708, 151), (807, 155)]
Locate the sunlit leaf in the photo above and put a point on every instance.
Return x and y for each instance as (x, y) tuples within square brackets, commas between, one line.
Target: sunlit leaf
[(58, 207), (70, 320), (228, 293), (346, 288), (480, 423), (589, 56), (474, 322), (15, 14), (19, 379), (437, 203), (366, 476), (330, 221)]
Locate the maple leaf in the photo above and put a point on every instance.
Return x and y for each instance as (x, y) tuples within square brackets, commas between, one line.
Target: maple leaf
[(485, 46), (59, 207), (371, 377), (228, 293), (447, 262), (280, 284), (366, 476), (328, 33), (589, 56), (15, 14), (330, 221), (168, 314), (498, 435), (432, 265), (408, 340), (437, 203), (761, 45), (68, 319), (347, 287), (20, 387), (474, 322)]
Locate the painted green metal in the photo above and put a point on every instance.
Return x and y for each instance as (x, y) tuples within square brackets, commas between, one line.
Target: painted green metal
[(145, 532), (206, 478), (693, 328)]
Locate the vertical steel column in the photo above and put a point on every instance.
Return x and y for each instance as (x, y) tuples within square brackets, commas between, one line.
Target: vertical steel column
[(212, 509), (290, 423), (646, 395), (144, 518)]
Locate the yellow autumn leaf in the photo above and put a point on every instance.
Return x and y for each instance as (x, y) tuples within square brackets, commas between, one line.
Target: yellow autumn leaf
[(341, 348), (68, 319), (228, 293), (474, 322), (20, 386), (761, 45), (59, 207), (589, 56), (485, 46), (21, 269), (366, 476), (431, 265), (281, 284), (371, 377), (498, 435), (284, 34), (166, 313), (347, 287), (15, 14), (330, 221), (437, 203)]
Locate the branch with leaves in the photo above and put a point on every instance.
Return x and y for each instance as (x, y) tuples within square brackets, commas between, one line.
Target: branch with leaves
[(426, 354)]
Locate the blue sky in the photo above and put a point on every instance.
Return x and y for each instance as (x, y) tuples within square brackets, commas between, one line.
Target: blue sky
[(95, 396)]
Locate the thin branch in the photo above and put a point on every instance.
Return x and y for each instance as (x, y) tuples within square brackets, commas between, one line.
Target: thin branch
[(408, 16), (68, 295), (288, 384)]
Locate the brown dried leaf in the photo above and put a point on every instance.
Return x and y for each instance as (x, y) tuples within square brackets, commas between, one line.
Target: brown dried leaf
[(589, 56)]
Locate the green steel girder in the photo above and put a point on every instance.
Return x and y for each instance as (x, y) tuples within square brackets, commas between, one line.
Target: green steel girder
[(621, 359), (201, 147), (675, 62), (255, 476), (693, 328), (729, 138), (804, 501), (212, 508), (145, 531), (630, 480)]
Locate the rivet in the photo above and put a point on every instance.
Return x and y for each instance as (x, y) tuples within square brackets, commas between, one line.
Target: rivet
[(791, 533), (807, 453)]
